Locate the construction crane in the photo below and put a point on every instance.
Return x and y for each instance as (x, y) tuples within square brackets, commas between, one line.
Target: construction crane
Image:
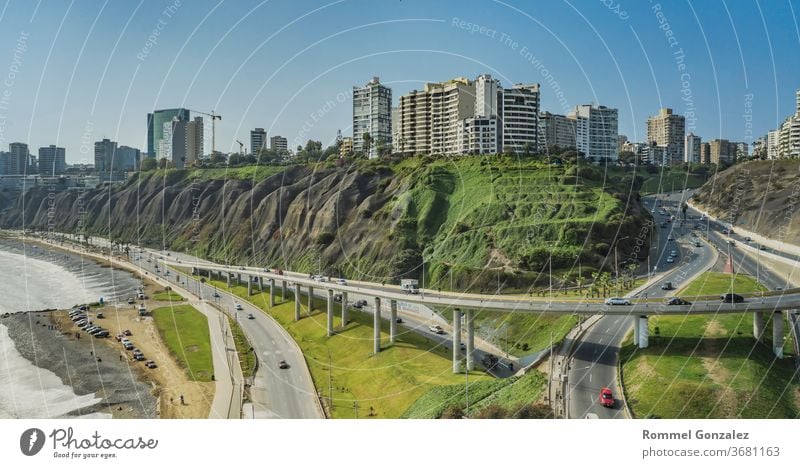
[(214, 117), (241, 147)]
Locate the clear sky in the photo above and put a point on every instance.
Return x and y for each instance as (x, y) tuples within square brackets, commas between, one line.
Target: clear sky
[(78, 71)]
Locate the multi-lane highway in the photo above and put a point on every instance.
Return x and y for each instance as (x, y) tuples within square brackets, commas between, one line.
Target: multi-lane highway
[(275, 392), (593, 364)]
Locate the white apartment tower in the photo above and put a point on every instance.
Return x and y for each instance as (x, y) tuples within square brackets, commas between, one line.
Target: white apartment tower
[(692, 149), (258, 140), (596, 131), (372, 113), (520, 118)]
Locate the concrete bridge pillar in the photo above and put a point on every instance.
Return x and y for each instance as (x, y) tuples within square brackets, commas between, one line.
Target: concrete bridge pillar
[(271, 292), (283, 290), (195, 270), (470, 341), (644, 338), (228, 275), (249, 285), (777, 333), (345, 319), (456, 341), (239, 278), (261, 284), (376, 325), (210, 274), (393, 323), (330, 312), (296, 302), (758, 326), (636, 331), (310, 299)]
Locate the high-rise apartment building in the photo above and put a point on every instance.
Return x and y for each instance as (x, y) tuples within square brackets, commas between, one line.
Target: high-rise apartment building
[(520, 118), (722, 151), (194, 140), (127, 159), (104, 151), (692, 149), (415, 124), (596, 131), (258, 140), (372, 114), (155, 127), (705, 153), (668, 130), (556, 130), (279, 144), (52, 160), (773, 144), (20, 162)]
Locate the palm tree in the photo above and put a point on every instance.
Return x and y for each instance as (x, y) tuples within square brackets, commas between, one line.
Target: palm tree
[(579, 283), (564, 281), (605, 280), (367, 139), (595, 280)]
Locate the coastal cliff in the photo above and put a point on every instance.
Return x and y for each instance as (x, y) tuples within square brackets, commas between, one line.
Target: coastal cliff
[(472, 219)]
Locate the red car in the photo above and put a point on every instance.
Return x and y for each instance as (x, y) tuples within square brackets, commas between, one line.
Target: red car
[(606, 398)]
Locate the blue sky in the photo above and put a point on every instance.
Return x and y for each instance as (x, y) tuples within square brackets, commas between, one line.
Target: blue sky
[(86, 70)]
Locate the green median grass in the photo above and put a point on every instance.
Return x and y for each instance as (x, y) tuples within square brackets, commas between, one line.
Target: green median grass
[(168, 296), (712, 283), (383, 385), (185, 332), (709, 366), (247, 360), (509, 394)]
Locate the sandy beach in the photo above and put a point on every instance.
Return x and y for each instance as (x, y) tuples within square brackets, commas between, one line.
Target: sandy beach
[(105, 379)]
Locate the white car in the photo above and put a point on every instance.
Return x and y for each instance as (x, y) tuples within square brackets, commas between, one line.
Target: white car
[(319, 278), (341, 281), (617, 301), (670, 260), (436, 329), (238, 306)]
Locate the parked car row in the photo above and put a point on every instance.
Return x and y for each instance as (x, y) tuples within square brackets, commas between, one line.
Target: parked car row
[(84, 322)]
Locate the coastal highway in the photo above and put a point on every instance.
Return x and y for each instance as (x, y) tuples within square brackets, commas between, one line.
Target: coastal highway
[(275, 393), (594, 359)]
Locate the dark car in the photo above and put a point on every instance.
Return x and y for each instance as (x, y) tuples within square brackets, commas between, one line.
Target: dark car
[(677, 301), (731, 298), (282, 364), (667, 286)]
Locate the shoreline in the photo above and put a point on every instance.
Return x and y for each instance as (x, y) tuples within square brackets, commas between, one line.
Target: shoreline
[(86, 365)]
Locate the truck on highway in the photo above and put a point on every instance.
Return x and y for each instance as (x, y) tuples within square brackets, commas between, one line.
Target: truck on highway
[(410, 286)]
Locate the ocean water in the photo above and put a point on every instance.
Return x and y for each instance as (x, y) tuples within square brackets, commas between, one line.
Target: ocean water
[(39, 280), (27, 391)]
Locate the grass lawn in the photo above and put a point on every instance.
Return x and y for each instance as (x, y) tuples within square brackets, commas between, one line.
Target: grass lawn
[(185, 332), (167, 296), (509, 394), (709, 366), (388, 382), (713, 283)]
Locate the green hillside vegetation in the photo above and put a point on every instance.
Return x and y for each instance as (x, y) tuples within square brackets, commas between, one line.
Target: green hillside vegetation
[(709, 366), (480, 218)]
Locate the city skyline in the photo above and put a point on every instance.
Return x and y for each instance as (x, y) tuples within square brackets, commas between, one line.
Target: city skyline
[(102, 71)]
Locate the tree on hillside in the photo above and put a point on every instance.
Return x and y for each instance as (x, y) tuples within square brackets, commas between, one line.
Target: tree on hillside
[(367, 145), (149, 164)]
